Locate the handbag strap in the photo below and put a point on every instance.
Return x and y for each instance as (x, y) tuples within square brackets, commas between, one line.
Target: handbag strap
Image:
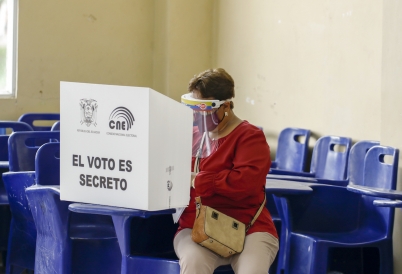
[(257, 214), (199, 204)]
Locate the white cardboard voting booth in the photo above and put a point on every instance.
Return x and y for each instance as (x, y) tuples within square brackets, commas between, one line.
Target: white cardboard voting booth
[(124, 146)]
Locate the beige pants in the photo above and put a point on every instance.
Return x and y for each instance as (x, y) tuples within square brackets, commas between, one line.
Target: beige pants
[(259, 252)]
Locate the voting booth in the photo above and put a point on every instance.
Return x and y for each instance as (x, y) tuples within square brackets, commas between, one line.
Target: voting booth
[(124, 146)]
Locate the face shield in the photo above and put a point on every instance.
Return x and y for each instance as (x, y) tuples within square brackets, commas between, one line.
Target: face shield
[(205, 120)]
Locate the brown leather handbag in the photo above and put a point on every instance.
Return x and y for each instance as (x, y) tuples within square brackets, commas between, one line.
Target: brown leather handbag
[(218, 232)]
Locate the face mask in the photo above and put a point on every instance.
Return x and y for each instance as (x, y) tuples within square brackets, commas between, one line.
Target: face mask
[(205, 116), (206, 120)]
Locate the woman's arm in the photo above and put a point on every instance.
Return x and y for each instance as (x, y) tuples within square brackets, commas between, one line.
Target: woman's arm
[(251, 164)]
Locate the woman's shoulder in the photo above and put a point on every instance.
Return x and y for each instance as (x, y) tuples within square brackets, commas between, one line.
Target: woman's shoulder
[(245, 126), (246, 130)]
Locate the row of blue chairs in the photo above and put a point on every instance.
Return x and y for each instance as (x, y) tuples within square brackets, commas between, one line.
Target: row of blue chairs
[(331, 218), (45, 262), (27, 122)]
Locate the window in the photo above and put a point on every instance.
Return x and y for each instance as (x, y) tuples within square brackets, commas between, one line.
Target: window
[(8, 27)]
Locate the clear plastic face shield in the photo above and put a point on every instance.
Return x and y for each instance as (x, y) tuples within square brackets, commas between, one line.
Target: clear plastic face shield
[(205, 120)]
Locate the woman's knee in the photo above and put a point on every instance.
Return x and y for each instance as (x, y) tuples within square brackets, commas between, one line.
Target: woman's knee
[(258, 255), (196, 265), (193, 258)]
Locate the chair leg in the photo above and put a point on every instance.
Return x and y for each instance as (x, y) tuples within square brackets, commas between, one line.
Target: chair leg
[(301, 254), (53, 255), (386, 259), (319, 262), (306, 256)]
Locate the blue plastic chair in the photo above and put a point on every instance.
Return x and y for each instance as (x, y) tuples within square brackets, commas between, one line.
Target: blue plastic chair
[(291, 153), (14, 126), (22, 235), (67, 242), (22, 151), (328, 164), (291, 157), (5, 214), (333, 217), (145, 239), (356, 160), (31, 118), (355, 166)]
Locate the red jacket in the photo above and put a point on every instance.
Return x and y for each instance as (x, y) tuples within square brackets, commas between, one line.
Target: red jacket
[(232, 179)]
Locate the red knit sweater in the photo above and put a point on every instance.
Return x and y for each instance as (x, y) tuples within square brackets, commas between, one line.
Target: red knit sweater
[(232, 179)]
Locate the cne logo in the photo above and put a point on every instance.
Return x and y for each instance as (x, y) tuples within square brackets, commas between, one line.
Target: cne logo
[(89, 109), (121, 118)]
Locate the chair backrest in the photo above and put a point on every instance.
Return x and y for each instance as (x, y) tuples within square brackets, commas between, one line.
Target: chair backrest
[(51, 218), (20, 152), (330, 157), (30, 119), (379, 173), (47, 164), (56, 126), (14, 126), (292, 149), (357, 155)]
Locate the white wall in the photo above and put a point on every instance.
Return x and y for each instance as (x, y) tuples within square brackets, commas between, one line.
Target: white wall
[(309, 64)]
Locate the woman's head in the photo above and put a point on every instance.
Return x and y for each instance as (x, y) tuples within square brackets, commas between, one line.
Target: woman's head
[(213, 83)]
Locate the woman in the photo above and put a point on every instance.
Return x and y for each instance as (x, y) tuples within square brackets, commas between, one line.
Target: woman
[(231, 163)]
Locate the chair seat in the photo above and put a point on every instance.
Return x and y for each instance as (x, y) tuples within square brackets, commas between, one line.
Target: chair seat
[(354, 238)]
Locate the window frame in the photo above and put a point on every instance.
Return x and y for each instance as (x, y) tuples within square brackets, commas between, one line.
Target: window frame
[(10, 90)]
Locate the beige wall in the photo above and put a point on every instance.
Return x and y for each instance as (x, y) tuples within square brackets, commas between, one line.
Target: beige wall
[(314, 64), (183, 41), (391, 99), (107, 42), (294, 64), (159, 44)]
